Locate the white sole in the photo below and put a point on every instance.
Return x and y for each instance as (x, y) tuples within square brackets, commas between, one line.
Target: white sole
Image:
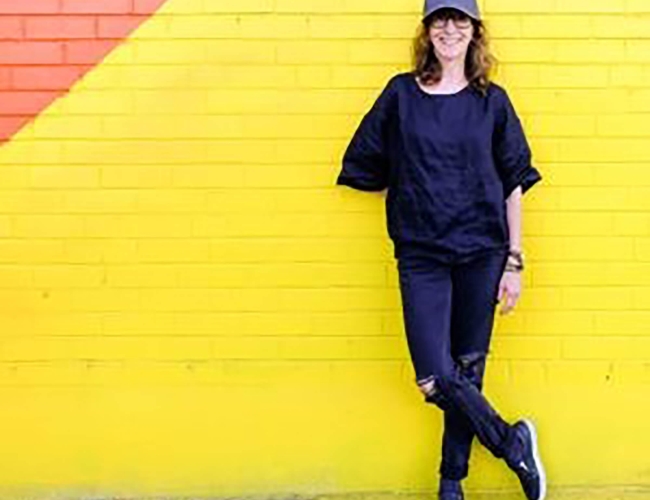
[(538, 460)]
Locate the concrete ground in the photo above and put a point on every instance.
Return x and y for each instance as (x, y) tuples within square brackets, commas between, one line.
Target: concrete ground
[(577, 493), (573, 493), (622, 493)]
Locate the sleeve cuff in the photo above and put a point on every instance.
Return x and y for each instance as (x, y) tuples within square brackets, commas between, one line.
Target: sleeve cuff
[(527, 178), (359, 184)]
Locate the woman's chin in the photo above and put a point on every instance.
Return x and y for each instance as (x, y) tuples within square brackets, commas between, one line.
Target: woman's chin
[(450, 55)]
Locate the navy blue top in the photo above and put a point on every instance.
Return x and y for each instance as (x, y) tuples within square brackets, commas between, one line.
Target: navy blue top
[(449, 162)]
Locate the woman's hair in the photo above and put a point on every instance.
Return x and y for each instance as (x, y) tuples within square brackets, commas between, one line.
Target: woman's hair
[(478, 63)]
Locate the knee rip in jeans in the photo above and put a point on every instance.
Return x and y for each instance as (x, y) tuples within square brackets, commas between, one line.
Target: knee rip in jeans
[(427, 385), (471, 366), (432, 393)]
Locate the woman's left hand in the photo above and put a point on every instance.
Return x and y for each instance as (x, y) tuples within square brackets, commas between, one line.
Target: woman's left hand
[(510, 287)]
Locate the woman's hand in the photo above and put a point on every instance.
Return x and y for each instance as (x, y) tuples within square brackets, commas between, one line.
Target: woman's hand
[(510, 287)]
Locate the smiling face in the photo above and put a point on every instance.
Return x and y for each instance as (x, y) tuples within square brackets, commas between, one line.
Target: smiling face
[(451, 32)]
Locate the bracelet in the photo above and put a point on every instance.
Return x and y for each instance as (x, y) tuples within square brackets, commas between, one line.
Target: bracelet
[(518, 265)]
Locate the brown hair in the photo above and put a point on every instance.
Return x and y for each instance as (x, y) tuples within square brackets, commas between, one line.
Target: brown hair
[(478, 63)]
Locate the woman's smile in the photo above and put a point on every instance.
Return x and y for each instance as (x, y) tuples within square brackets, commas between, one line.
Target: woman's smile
[(449, 41)]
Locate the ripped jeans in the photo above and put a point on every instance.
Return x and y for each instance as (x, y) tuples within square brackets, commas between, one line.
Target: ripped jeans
[(448, 319)]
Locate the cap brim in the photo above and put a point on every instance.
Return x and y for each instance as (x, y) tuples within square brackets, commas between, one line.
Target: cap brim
[(466, 11)]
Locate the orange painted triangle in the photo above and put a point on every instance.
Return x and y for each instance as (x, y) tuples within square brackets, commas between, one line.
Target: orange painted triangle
[(48, 45)]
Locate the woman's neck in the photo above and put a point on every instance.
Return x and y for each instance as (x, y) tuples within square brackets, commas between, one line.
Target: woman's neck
[(453, 74)]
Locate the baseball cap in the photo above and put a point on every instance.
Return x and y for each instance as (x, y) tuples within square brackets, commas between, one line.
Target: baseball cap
[(469, 7)]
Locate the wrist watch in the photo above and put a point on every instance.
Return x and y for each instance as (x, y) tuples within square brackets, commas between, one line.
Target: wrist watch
[(518, 265)]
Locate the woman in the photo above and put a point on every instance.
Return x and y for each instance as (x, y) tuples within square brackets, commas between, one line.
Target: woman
[(448, 145)]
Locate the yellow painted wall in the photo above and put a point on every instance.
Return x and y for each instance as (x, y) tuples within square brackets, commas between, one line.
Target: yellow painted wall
[(190, 306)]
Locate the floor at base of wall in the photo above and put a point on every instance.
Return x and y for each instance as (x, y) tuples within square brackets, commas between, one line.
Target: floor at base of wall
[(557, 493), (567, 493)]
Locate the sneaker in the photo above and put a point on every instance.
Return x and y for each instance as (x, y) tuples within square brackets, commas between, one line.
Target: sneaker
[(528, 465), (450, 490)]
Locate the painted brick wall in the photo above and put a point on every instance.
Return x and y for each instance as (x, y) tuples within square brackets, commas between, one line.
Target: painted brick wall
[(47, 45), (190, 306)]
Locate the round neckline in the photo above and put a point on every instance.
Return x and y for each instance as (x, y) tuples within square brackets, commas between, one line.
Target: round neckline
[(424, 92)]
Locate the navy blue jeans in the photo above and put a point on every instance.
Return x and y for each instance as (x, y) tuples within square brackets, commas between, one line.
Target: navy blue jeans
[(448, 318)]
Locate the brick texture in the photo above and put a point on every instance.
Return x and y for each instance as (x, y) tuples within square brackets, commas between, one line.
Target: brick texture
[(179, 272), (52, 44)]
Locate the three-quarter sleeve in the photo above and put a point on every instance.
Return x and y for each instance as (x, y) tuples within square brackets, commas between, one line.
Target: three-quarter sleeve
[(512, 153), (365, 164)]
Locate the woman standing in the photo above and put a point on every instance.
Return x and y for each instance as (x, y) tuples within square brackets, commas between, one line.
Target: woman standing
[(449, 146)]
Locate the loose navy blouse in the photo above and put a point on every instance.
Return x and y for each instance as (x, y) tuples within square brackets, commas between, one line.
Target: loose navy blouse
[(449, 162)]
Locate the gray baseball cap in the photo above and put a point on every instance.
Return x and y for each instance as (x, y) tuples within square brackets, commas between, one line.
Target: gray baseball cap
[(469, 7)]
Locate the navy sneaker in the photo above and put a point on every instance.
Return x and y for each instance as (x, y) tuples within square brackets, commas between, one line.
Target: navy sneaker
[(450, 490), (527, 464)]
